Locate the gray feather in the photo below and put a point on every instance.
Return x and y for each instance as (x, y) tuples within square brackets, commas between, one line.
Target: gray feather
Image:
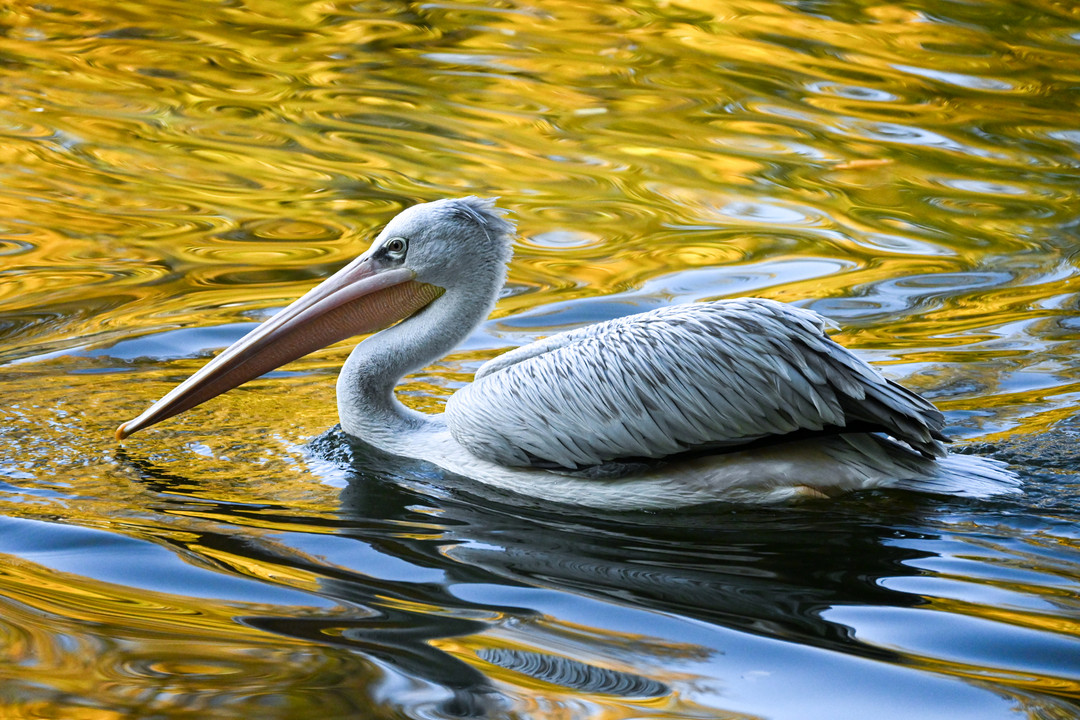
[(724, 373)]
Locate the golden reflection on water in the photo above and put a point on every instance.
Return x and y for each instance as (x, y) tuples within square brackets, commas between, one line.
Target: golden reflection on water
[(82, 649), (170, 172)]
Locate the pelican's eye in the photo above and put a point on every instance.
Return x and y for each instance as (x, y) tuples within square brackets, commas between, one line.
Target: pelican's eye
[(396, 247)]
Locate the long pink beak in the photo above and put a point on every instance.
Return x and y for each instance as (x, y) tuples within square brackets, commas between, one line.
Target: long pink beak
[(355, 300)]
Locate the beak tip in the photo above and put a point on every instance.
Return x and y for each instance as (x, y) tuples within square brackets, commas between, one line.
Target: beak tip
[(122, 432)]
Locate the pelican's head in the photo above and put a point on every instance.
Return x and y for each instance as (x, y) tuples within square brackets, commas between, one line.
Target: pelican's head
[(420, 254), (446, 242)]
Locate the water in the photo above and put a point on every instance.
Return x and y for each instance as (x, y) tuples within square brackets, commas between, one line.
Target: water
[(171, 173)]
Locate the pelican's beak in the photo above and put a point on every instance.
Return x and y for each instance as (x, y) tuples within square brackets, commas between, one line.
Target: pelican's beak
[(357, 299)]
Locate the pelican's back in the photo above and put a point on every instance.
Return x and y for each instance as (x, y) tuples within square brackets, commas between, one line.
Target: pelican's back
[(719, 374)]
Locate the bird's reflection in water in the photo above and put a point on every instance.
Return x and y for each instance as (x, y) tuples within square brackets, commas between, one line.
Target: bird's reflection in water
[(768, 572)]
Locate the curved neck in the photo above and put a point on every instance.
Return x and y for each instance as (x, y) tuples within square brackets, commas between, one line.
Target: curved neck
[(367, 406)]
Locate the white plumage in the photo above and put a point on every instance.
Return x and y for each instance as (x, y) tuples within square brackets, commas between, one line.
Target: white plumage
[(744, 400), (684, 378)]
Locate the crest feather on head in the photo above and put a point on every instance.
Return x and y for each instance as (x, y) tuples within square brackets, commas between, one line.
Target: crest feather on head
[(482, 211)]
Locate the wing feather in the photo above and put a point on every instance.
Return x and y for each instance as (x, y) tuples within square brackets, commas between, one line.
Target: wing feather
[(724, 373)]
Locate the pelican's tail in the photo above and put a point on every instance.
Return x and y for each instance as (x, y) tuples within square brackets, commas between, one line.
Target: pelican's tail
[(965, 476), (884, 463)]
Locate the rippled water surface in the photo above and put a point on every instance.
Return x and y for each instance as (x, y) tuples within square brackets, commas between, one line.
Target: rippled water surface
[(172, 172)]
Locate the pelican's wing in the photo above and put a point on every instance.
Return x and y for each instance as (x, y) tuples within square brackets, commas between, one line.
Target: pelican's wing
[(675, 379)]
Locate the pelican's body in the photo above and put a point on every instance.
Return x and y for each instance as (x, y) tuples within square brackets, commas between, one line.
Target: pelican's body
[(742, 400)]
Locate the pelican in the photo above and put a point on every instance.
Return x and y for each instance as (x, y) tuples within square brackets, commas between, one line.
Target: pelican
[(744, 400)]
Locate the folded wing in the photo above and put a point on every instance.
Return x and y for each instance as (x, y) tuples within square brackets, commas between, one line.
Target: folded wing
[(681, 378)]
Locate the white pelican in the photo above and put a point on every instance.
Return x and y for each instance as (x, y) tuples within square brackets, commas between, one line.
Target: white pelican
[(741, 400)]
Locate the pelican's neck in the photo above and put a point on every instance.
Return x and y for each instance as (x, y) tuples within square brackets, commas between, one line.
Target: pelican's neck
[(367, 406)]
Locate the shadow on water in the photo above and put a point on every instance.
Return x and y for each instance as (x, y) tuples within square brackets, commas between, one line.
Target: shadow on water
[(758, 570), (772, 573)]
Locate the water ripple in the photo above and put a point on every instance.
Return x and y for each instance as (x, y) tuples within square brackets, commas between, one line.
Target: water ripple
[(170, 173), (573, 674)]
